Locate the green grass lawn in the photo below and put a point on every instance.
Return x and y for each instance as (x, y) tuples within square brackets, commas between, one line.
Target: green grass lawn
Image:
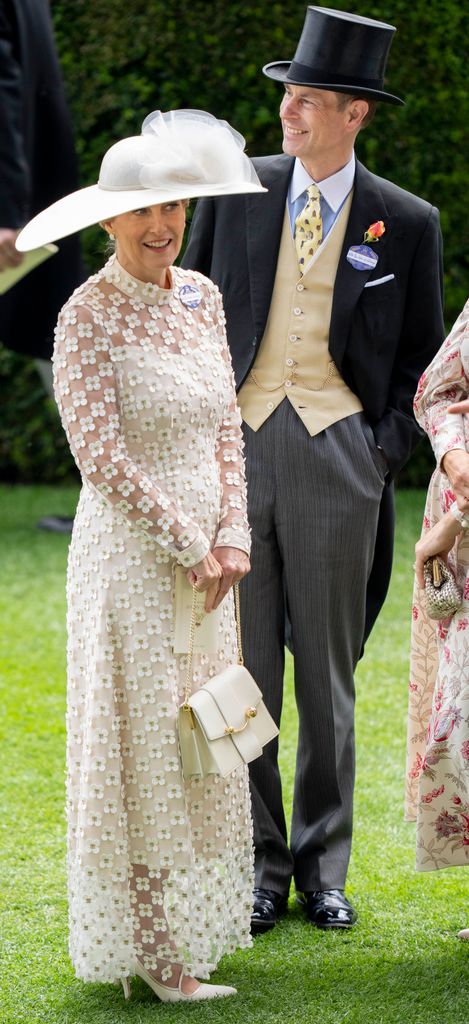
[(402, 963)]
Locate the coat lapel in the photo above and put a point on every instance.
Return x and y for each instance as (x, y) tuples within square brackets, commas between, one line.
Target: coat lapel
[(368, 206), (264, 216)]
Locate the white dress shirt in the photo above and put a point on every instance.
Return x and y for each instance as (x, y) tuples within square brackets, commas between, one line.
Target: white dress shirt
[(334, 191)]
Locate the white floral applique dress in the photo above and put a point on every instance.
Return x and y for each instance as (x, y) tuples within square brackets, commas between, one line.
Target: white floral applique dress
[(145, 387), (437, 781)]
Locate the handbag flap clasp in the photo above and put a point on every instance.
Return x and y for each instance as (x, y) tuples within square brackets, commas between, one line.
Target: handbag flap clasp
[(227, 703)]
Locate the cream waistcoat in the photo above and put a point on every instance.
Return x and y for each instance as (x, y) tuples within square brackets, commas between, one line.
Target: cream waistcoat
[(293, 359)]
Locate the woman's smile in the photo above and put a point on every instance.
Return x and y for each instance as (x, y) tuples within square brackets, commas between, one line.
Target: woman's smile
[(148, 240)]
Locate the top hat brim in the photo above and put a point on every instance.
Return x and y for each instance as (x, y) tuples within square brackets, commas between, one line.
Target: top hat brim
[(93, 204), (279, 70)]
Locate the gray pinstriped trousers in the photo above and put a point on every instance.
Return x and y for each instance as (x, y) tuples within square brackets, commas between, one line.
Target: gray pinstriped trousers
[(313, 506)]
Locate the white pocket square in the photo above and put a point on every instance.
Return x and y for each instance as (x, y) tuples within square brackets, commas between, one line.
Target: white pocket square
[(379, 280)]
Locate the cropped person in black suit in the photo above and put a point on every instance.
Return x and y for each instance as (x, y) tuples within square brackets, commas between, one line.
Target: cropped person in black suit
[(37, 166), (332, 287)]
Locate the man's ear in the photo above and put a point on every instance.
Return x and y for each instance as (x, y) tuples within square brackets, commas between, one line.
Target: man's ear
[(357, 112)]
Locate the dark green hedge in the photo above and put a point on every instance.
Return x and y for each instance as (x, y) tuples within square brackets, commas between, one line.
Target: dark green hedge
[(33, 446), (123, 58)]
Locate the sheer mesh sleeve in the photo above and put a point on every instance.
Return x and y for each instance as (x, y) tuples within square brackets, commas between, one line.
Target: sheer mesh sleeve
[(443, 383), (233, 528), (86, 395)]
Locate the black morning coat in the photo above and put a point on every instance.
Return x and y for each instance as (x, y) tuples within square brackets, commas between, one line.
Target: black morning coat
[(381, 338), (37, 166)]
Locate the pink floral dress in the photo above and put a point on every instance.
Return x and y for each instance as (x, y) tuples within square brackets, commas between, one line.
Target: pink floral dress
[(437, 779)]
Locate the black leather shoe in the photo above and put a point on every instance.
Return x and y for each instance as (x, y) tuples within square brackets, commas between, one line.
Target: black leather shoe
[(268, 906), (328, 909)]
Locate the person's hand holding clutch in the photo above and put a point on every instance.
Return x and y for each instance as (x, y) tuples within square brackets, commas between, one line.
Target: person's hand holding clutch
[(438, 541)]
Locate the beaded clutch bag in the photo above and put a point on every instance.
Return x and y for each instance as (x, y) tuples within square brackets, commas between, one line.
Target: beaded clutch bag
[(442, 594)]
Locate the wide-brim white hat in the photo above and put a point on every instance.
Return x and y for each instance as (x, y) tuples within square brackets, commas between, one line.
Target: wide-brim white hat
[(182, 154)]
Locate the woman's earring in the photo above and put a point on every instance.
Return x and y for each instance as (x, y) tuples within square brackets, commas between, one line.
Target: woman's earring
[(112, 237)]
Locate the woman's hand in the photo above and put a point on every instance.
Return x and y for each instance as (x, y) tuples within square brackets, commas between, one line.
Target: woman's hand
[(217, 573), (437, 541), (235, 564), (206, 576), (456, 466), (460, 407)]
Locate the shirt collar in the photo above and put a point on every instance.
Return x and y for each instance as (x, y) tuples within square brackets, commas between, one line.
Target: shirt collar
[(334, 189)]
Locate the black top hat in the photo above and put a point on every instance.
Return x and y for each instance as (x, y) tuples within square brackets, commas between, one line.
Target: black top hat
[(339, 51)]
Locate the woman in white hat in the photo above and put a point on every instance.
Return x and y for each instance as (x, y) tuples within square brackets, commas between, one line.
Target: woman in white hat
[(160, 869)]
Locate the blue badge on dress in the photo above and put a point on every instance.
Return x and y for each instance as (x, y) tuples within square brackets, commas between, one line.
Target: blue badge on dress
[(362, 257), (190, 296)]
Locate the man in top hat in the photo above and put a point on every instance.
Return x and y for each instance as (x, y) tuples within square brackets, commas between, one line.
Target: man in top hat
[(332, 285)]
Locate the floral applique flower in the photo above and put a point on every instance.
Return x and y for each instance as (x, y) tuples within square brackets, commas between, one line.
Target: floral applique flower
[(374, 232)]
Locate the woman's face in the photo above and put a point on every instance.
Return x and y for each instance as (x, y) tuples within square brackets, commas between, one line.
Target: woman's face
[(149, 240)]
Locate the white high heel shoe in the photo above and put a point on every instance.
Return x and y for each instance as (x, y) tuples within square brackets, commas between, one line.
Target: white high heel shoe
[(176, 995)]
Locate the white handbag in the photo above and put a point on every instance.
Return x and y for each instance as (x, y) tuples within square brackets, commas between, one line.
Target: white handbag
[(225, 723)]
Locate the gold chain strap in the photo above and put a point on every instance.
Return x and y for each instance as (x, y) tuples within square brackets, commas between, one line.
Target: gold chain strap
[(262, 387), (238, 624), (295, 379), (332, 372), (192, 628)]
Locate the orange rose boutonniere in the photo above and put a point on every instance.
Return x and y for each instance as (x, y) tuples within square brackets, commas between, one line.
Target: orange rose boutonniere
[(374, 232)]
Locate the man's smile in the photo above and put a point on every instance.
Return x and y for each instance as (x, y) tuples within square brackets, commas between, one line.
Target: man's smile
[(290, 130)]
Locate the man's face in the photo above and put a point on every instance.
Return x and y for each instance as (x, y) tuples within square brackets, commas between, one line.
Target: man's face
[(312, 125)]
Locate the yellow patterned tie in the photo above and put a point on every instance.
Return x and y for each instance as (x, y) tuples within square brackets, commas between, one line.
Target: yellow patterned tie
[(308, 228)]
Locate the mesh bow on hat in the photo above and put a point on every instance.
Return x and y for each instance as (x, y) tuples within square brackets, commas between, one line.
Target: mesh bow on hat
[(182, 154), (202, 149)]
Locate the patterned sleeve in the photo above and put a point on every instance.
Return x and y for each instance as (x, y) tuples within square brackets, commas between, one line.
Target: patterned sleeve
[(87, 398), (443, 383), (233, 529)]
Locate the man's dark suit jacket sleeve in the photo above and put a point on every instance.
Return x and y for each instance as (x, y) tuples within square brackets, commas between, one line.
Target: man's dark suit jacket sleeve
[(421, 335), (15, 185)]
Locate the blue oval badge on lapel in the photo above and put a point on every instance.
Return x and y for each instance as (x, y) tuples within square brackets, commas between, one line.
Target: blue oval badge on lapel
[(361, 257)]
